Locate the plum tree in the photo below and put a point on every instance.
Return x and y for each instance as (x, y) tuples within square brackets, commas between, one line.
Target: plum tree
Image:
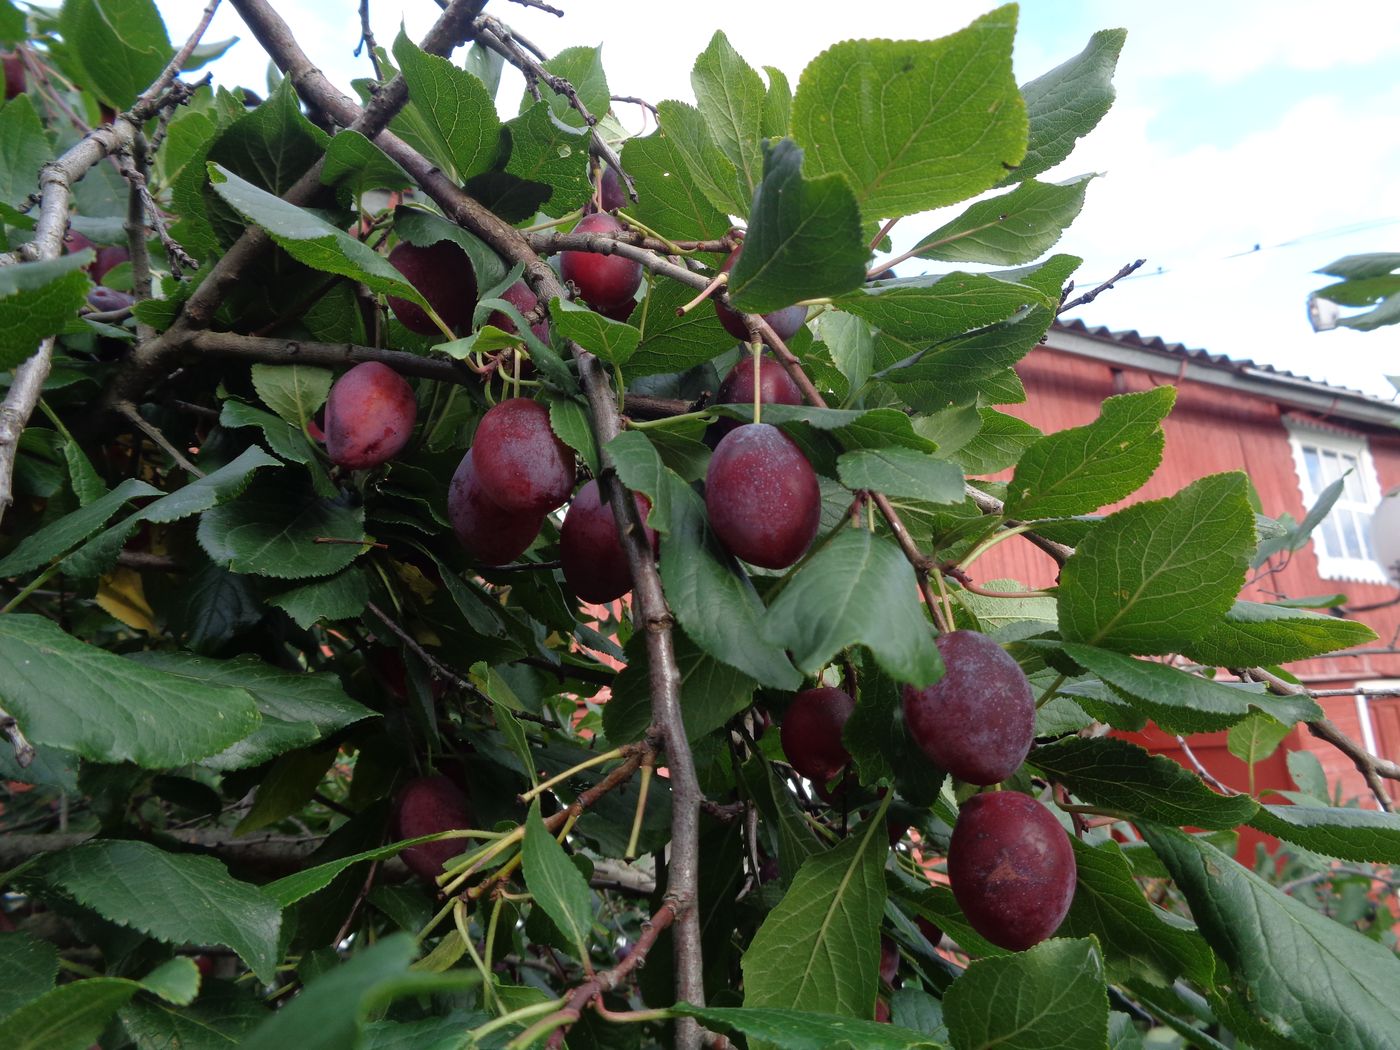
[(426, 806), (594, 563), (493, 536), (978, 720), (1011, 869), (606, 282), (762, 496), (522, 465), (811, 732), (443, 275), (785, 322), (369, 418)]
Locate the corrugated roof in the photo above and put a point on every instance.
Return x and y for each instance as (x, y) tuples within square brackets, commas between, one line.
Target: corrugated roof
[(1135, 339)]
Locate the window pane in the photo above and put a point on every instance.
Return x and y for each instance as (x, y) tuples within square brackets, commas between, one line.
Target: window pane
[(1314, 465), (1364, 520), (1351, 533), (1354, 489), (1331, 467), (1331, 547)]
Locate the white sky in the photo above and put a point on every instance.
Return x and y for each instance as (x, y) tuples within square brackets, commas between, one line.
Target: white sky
[(1237, 124)]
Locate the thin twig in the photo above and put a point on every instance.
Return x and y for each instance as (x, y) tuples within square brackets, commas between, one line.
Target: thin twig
[(1094, 293), (153, 432), (367, 41), (1205, 773)]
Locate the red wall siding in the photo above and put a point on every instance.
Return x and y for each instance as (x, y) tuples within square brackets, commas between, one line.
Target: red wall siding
[(1214, 429)]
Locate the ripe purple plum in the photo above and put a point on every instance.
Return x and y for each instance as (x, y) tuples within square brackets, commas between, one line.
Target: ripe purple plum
[(595, 566), (929, 930), (107, 299), (108, 259), (523, 299), (978, 720), (610, 189), (523, 467), (775, 388), (369, 417), (605, 282), (425, 806), (811, 732), (889, 960), (1011, 868), (491, 535), (762, 496), (14, 74), (785, 322), (443, 275)]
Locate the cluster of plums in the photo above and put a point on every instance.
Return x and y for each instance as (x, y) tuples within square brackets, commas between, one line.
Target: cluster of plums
[(1010, 863)]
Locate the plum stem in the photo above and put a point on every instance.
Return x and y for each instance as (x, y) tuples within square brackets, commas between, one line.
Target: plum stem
[(642, 791), (756, 348), (716, 283), (559, 778)]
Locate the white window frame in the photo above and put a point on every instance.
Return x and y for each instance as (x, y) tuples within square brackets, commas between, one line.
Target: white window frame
[(1329, 566)]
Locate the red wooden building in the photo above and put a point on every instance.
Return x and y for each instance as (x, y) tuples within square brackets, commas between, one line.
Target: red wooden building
[(1292, 436)]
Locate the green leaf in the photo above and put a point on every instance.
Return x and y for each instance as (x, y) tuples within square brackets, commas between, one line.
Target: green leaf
[(24, 149), (37, 300), (119, 46), (557, 886), (1120, 776), (28, 969), (1156, 576), (455, 108), (286, 787), (291, 888), (858, 588), (41, 547), (880, 745), (177, 898), (328, 1014), (339, 597), (1300, 973), (569, 421), (803, 1030), (220, 1019), (356, 163), (915, 124), (549, 158), (1348, 834), (1145, 940), (613, 341), (70, 1017), (12, 24), (1077, 471), (1055, 994), (675, 190), (310, 239), (706, 166), (70, 695), (1181, 702), (711, 692), (1256, 738), (902, 472), (804, 240), (582, 67), (1252, 634), (851, 343), (287, 440), (1066, 103), (176, 980), (214, 605), (731, 99), (297, 708), (913, 315), (272, 531), (819, 949), (1017, 227), (294, 392)]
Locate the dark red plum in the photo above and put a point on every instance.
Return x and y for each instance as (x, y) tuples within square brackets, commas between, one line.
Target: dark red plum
[(14, 74), (443, 275), (1011, 868), (369, 416), (523, 467), (762, 496), (811, 732), (785, 322), (108, 259), (595, 566), (929, 930), (978, 720), (610, 189), (524, 300), (491, 535), (775, 388), (426, 806), (106, 299), (889, 960), (604, 281)]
